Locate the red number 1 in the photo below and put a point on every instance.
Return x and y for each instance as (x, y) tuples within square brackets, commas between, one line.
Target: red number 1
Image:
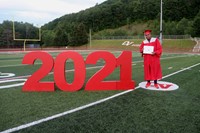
[(124, 61)]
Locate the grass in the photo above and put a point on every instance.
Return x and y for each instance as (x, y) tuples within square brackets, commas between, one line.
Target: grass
[(173, 45), (137, 111)]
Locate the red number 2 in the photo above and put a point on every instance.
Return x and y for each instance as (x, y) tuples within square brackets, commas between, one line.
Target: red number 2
[(33, 84)]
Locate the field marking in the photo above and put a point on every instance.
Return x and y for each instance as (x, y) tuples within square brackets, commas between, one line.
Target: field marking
[(16, 65), (20, 58), (162, 86), (84, 106), (13, 85), (6, 75), (133, 63), (83, 54)]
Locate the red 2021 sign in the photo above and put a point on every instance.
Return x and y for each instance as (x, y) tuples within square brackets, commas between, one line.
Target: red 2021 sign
[(96, 82)]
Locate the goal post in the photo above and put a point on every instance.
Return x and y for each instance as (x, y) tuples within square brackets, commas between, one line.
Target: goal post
[(26, 39)]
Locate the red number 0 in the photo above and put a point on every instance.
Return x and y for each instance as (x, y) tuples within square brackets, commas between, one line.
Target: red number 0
[(79, 71), (94, 83)]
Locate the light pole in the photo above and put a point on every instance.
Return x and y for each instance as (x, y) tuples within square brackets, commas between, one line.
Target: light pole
[(161, 22), (90, 34)]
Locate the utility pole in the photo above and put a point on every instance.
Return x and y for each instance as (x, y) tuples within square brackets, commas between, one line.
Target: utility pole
[(161, 21), (90, 34)]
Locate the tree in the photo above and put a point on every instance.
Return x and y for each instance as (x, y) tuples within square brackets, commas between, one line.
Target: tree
[(48, 37), (196, 25), (6, 34), (169, 28), (7, 37), (61, 36), (182, 26), (79, 36)]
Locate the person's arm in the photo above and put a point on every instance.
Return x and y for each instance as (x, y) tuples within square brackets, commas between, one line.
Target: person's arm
[(141, 49), (158, 50)]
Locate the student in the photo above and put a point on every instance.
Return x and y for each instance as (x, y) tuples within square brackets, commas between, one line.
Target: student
[(152, 67)]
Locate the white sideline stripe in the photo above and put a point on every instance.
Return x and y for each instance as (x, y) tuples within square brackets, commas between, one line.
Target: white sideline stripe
[(83, 107)]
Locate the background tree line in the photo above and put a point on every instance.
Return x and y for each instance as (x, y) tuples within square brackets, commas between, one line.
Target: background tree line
[(64, 35), (22, 31), (180, 17), (116, 13)]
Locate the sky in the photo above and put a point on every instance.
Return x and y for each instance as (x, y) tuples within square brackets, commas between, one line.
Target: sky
[(40, 12)]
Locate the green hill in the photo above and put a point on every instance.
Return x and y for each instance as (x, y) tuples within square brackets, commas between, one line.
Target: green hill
[(116, 13), (110, 18)]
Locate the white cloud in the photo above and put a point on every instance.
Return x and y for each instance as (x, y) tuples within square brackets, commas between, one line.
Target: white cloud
[(41, 11)]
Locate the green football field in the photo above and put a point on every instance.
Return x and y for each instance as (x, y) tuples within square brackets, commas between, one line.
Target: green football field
[(138, 110)]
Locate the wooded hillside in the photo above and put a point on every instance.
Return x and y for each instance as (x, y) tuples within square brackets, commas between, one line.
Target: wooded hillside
[(115, 13)]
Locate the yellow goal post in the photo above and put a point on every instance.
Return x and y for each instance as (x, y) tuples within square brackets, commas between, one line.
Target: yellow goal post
[(26, 39)]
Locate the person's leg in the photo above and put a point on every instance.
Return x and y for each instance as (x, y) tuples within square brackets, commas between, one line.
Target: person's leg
[(156, 84), (148, 83)]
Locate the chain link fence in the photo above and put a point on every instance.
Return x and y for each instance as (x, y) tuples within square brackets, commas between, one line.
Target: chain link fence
[(140, 37), (171, 43), (176, 43)]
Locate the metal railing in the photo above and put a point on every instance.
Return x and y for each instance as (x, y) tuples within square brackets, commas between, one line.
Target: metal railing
[(197, 46)]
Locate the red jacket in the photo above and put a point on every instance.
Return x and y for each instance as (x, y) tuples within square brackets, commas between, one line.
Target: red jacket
[(152, 67)]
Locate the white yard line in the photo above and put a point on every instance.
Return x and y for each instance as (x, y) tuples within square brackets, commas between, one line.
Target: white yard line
[(84, 106), (83, 54), (133, 63), (41, 63)]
